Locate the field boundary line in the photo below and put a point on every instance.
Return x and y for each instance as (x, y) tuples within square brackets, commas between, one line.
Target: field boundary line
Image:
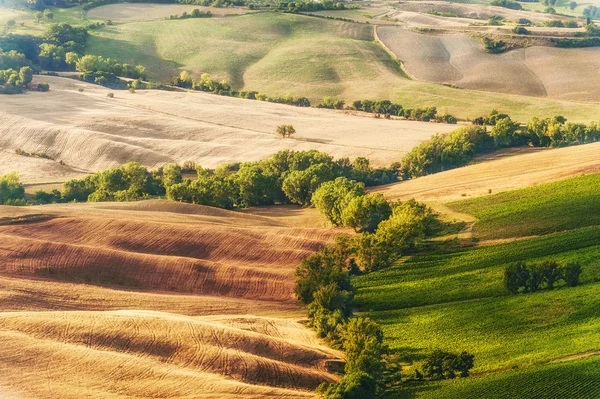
[(391, 54)]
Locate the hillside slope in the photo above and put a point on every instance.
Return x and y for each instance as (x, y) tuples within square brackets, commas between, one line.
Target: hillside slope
[(155, 299), (90, 132)]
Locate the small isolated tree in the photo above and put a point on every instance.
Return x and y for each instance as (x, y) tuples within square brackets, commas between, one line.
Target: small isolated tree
[(38, 15), (48, 14), (571, 273), (285, 130), (573, 5)]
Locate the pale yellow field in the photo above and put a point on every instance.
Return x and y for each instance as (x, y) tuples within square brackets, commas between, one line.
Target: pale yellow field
[(137, 12), (90, 132), (155, 299), (566, 74)]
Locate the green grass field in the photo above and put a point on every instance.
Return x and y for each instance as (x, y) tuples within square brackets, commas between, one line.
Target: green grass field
[(282, 54), (558, 206), (452, 297), (579, 379)]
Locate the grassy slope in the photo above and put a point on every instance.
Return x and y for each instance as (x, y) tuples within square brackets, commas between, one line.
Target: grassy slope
[(577, 380), (304, 56), (563, 205), (454, 299)]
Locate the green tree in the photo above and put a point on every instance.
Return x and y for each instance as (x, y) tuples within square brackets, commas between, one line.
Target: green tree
[(300, 185), (332, 197), (171, 174), (573, 5), (571, 273), (38, 15), (364, 213), (11, 188)]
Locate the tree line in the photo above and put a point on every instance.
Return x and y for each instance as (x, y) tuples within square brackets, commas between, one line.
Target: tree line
[(531, 277), (323, 283), (286, 177), (457, 148), (196, 13)]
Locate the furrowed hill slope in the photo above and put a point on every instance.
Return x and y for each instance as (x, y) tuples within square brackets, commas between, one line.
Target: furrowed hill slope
[(568, 74), (90, 132), (155, 299)]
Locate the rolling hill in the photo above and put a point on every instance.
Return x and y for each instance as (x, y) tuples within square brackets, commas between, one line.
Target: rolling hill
[(89, 132), (97, 301)]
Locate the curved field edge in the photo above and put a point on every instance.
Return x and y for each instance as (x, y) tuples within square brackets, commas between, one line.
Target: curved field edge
[(330, 58)]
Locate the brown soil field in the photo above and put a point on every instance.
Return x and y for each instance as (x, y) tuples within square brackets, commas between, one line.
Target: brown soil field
[(505, 173), (129, 12), (156, 299), (567, 74), (90, 132)]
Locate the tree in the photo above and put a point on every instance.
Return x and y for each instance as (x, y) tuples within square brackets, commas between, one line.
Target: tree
[(299, 185), (71, 58), (11, 189), (364, 213), (551, 272), (48, 14), (512, 282), (171, 174), (25, 75), (38, 15), (444, 365), (285, 130), (573, 5), (571, 273), (332, 197)]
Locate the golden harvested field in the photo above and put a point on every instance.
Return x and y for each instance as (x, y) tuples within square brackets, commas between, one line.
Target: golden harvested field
[(502, 174), (155, 299), (90, 132), (129, 12), (566, 74)]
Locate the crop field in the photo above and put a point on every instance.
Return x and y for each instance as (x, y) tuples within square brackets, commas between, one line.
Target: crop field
[(139, 11), (281, 54), (462, 61), (90, 132), (577, 379), (537, 210), (452, 296), (207, 295)]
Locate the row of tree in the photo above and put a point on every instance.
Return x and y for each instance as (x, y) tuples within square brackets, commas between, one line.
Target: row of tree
[(103, 71), (523, 277), (457, 148), (286, 177), (208, 84), (196, 13)]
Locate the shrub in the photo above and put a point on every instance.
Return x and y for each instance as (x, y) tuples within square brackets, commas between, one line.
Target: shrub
[(444, 365), (110, 95), (519, 30), (571, 273)]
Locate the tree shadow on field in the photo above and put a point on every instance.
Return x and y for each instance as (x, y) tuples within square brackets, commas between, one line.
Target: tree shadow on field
[(131, 53)]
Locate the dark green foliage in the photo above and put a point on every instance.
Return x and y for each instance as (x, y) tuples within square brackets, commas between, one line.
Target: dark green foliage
[(571, 273), (446, 365), (576, 43), (196, 13), (42, 197), (531, 277), (364, 213), (519, 30), (445, 151), (494, 46), (513, 5)]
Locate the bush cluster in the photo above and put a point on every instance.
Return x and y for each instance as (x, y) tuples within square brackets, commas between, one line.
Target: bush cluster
[(104, 71), (12, 191), (523, 277), (14, 81), (513, 5), (386, 107), (196, 13)]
